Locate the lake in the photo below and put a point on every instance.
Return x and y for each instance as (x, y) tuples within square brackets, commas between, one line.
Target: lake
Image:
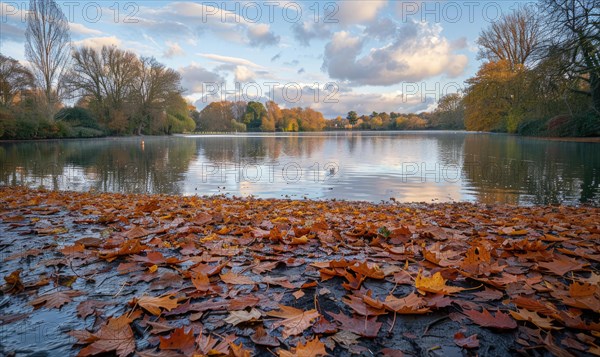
[(368, 166)]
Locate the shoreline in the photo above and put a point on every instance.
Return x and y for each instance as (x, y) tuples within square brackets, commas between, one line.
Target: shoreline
[(595, 139), (388, 278)]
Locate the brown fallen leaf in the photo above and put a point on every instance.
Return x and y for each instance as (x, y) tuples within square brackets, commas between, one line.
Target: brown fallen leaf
[(56, 299), (236, 279), (361, 326), (533, 317), (410, 304), (295, 320), (180, 340), (501, 321), (154, 304), (116, 336), (466, 342), (260, 337)]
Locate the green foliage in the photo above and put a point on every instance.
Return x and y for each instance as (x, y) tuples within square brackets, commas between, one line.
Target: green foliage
[(255, 112), (77, 116)]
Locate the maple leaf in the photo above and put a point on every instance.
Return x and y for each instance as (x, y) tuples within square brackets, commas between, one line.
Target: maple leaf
[(372, 271), (56, 299), (260, 337), (13, 282), (236, 279), (154, 304), (312, 348), (466, 342), (88, 307), (179, 340), (295, 320), (562, 265), (410, 304), (501, 321), (435, 284), (116, 336), (533, 317), (237, 317), (362, 326)]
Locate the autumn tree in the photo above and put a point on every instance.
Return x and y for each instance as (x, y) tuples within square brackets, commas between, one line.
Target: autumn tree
[(274, 115), (514, 38), (48, 48), (352, 117), (14, 79), (217, 116)]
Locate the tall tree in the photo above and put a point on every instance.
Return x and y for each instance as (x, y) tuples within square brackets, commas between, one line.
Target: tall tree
[(352, 117), (154, 87), (14, 79), (106, 76), (514, 38), (48, 47), (574, 26)]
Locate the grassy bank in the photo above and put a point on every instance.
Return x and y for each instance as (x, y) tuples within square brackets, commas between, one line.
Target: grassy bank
[(100, 272)]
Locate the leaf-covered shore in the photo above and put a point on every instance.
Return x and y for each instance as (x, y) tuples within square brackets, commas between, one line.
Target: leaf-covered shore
[(156, 275)]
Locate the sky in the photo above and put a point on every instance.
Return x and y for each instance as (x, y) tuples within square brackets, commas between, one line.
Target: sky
[(332, 56)]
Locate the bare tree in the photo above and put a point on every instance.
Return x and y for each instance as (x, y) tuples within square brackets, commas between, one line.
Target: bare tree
[(106, 76), (154, 87), (14, 79), (48, 46), (514, 37), (574, 28)]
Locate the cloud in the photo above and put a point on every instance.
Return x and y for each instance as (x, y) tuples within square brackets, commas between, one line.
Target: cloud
[(357, 12), (381, 29), (260, 35), (12, 33), (98, 42), (417, 52), (301, 70), (230, 60), (173, 49), (276, 57), (244, 74), (195, 76), (309, 30), (80, 29)]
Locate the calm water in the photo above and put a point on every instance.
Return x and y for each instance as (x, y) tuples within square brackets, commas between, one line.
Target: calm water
[(406, 166)]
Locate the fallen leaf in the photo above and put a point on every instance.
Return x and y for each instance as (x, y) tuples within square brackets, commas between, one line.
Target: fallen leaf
[(435, 284), (154, 304), (295, 320), (180, 340), (466, 342), (486, 319), (116, 336), (237, 317), (260, 337), (312, 348), (56, 299)]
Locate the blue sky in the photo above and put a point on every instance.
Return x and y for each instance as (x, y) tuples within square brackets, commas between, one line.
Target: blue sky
[(333, 56)]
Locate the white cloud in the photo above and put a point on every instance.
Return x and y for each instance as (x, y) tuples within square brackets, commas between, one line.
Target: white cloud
[(80, 29), (244, 74), (417, 52), (173, 49), (230, 60), (194, 78), (260, 35), (357, 12)]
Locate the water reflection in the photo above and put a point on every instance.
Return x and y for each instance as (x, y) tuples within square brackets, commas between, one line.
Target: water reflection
[(406, 166)]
